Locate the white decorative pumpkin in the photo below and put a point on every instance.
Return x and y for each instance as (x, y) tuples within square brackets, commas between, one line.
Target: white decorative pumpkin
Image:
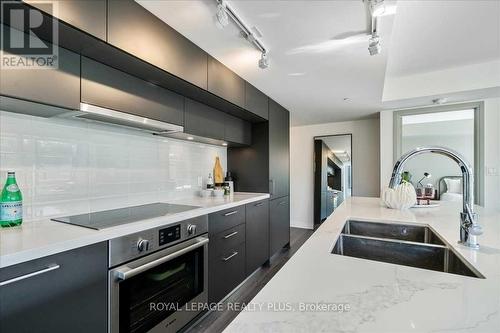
[(402, 197)]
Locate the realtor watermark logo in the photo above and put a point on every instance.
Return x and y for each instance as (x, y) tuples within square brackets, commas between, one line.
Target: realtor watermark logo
[(24, 41)]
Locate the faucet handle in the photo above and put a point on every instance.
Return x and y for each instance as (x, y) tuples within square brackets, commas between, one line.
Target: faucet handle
[(476, 230)]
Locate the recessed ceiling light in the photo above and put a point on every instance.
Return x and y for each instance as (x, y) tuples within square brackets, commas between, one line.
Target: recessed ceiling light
[(190, 138), (347, 99), (297, 74), (225, 144)]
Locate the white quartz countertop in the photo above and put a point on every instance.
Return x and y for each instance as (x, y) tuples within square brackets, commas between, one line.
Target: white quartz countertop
[(376, 296), (37, 239)]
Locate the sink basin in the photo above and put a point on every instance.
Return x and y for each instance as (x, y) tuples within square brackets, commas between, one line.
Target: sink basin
[(421, 253), (405, 232)]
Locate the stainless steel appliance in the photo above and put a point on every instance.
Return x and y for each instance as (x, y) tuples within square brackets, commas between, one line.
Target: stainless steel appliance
[(159, 277), (115, 217)]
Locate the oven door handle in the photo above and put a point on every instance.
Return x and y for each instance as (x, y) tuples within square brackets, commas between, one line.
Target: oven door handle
[(127, 272)]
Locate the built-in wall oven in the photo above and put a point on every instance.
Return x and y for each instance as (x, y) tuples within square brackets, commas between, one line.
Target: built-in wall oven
[(158, 277)]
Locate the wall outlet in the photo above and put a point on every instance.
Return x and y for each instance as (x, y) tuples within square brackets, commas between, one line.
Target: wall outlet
[(491, 171)]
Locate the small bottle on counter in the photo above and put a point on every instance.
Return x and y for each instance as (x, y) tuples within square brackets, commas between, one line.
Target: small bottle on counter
[(11, 203), (229, 181), (210, 182)]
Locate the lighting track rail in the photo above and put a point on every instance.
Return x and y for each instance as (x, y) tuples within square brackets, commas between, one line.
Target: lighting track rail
[(224, 11)]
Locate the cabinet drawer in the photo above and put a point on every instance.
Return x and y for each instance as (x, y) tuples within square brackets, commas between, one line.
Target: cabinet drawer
[(45, 295), (224, 241), (223, 220), (226, 271)]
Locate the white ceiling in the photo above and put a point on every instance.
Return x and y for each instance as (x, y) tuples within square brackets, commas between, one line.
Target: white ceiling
[(439, 34), (338, 144), (310, 74)]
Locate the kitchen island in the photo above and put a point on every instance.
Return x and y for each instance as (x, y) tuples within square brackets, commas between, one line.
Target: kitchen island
[(317, 291)]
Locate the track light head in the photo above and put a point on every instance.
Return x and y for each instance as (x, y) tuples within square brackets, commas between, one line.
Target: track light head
[(374, 45), (221, 17), (264, 61), (377, 7)]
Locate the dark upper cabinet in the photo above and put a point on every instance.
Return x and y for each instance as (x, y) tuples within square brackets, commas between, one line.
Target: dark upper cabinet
[(279, 150), (137, 31), (203, 120), (107, 87), (58, 88), (279, 224), (86, 15), (256, 101), (237, 130), (66, 292), (225, 83), (257, 235)]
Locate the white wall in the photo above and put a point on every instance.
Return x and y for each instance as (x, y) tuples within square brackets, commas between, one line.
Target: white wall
[(491, 136), (71, 167), (365, 164)]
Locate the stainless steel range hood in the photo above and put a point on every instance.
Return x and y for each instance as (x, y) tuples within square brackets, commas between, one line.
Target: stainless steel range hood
[(103, 115)]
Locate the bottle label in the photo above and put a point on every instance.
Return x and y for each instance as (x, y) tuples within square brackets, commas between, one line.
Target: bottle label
[(13, 188), (11, 211)]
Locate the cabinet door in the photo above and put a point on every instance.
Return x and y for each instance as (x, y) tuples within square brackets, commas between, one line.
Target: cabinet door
[(56, 87), (226, 271), (279, 159), (203, 120), (257, 235), (107, 87), (66, 292), (86, 15), (256, 101), (279, 221), (237, 130), (137, 31), (225, 83)]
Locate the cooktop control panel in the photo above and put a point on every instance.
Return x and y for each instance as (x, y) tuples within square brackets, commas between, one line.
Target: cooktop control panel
[(170, 234)]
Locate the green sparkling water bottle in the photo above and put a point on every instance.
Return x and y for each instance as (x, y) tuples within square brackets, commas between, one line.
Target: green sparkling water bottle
[(11, 203)]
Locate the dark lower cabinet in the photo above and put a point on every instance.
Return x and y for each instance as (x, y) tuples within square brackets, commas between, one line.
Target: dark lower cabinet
[(257, 235), (279, 224), (66, 292)]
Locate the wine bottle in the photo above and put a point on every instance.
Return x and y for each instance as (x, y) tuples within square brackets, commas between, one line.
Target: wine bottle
[(11, 203)]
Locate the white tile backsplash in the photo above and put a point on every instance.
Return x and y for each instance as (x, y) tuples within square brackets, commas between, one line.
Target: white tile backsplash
[(69, 167)]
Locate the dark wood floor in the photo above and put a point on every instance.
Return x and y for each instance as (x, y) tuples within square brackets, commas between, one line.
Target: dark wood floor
[(216, 321)]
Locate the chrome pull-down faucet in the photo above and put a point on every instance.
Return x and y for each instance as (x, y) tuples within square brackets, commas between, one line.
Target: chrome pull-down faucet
[(469, 228)]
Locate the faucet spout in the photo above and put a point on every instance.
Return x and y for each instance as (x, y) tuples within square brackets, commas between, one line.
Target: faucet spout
[(469, 228)]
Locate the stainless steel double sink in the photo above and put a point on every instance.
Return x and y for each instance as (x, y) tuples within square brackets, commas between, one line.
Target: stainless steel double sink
[(402, 244)]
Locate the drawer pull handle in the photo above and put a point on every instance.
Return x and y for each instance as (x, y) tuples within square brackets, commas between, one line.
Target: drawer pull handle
[(27, 276), (230, 235), (259, 204), (231, 213), (231, 256)]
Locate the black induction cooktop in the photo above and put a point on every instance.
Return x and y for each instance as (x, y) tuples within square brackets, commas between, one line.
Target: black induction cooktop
[(115, 217)]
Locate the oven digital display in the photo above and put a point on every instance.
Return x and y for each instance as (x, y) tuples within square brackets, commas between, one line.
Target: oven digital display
[(170, 234)]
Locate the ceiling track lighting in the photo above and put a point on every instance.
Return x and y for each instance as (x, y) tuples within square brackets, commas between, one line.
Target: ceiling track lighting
[(224, 12), (376, 8)]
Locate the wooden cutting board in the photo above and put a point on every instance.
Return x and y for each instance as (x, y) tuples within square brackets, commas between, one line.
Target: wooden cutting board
[(218, 172)]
